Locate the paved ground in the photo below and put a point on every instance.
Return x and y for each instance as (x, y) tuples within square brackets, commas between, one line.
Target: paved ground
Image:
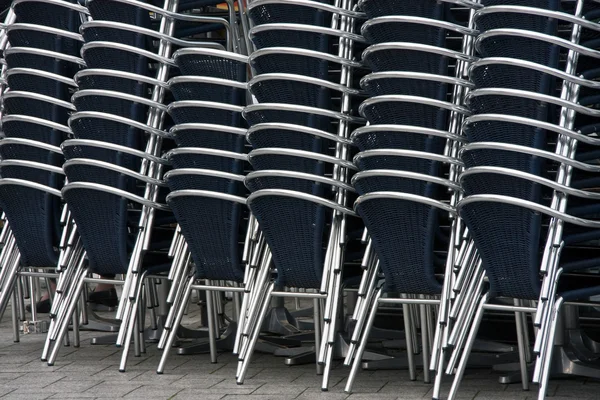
[(92, 372)]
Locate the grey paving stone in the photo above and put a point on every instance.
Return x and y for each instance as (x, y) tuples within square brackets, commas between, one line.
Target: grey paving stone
[(146, 391), (39, 379), (316, 394), (77, 395), (198, 382), (258, 397), (415, 391), (112, 389), (25, 394), (77, 386), (194, 395), (276, 388)]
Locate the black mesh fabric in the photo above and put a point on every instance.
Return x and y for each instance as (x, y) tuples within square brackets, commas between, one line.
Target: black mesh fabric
[(296, 140), (292, 92), (39, 84), (287, 183), (44, 40), (288, 116), (382, 183), (287, 163), (112, 105), (41, 62), (297, 64), (104, 82), (402, 163), (507, 237), (211, 228), (292, 38), (107, 131), (31, 175), (399, 140), (405, 113), (119, 12), (97, 153), (36, 108), (101, 176), (205, 182), (209, 139), (397, 59), (383, 32), (14, 151), (102, 224), (401, 233), (116, 59), (211, 65), (31, 215), (426, 9), (205, 114), (37, 13), (406, 86), (290, 13), (190, 90), (298, 253), (205, 161), (27, 130)]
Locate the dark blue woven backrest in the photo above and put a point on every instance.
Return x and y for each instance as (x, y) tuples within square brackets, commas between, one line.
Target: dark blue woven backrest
[(16, 151), (287, 183), (39, 84), (287, 63), (401, 233), (211, 65), (287, 163), (398, 162), (34, 232), (32, 12), (102, 224), (405, 32), (254, 117), (298, 253), (406, 86), (289, 13), (426, 9), (507, 237), (116, 59), (32, 131), (298, 140), (383, 183), (292, 38), (292, 92), (205, 114), (97, 153), (211, 139), (19, 59), (36, 108), (43, 40), (107, 82), (207, 161), (404, 113), (205, 182), (222, 93), (107, 131), (211, 228), (382, 139)]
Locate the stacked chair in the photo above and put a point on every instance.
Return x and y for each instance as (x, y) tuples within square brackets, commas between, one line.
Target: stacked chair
[(116, 193), (530, 202), (408, 162), (299, 128), (208, 196), (42, 57)]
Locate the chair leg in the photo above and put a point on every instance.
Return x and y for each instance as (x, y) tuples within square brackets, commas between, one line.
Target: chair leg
[(462, 365), (523, 347), (363, 342), (173, 333), (410, 348), (547, 352), (212, 338), (247, 355), (424, 343), (130, 325), (15, 316)]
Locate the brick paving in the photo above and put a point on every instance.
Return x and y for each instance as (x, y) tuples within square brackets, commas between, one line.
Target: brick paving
[(91, 372)]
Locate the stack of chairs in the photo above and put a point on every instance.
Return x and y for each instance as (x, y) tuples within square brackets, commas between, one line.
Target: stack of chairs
[(408, 163), (116, 193), (530, 184), (208, 196), (41, 60), (299, 128)]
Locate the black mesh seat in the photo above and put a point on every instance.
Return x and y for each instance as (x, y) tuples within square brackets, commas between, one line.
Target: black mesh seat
[(388, 30), (212, 63), (103, 79), (105, 129), (403, 160), (212, 226), (208, 89), (115, 103), (30, 150), (102, 173), (218, 137), (294, 160), (315, 185), (396, 181), (206, 112), (278, 36), (389, 83), (110, 56), (401, 233), (100, 151), (407, 57)]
